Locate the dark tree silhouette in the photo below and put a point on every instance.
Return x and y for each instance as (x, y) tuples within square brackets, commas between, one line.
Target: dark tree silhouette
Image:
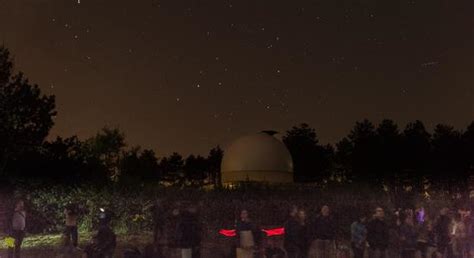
[(103, 151), (468, 145), (416, 146), (139, 167), (172, 167), (26, 116), (195, 169), (311, 161), (214, 160), (389, 150), (364, 139), (343, 159), (448, 168)]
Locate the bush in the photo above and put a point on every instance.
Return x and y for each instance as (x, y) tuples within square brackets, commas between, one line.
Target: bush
[(268, 206)]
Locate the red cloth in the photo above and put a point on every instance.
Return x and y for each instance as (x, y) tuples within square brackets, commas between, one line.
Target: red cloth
[(228, 232), (268, 232)]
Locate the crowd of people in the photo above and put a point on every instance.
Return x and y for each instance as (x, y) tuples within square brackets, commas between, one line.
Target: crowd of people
[(407, 233)]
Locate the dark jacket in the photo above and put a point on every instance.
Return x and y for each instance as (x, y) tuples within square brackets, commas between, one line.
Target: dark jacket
[(103, 243), (188, 231), (248, 226), (324, 228), (377, 234), (408, 237), (442, 230), (296, 235)]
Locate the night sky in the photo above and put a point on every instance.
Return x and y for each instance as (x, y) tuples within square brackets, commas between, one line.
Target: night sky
[(186, 75)]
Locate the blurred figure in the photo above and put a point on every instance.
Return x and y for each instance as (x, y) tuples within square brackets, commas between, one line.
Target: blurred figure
[(359, 236), (70, 232), (426, 244), (188, 232), (171, 226), (296, 235), (408, 237), (103, 243), (158, 217), (378, 235), (17, 232), (324, 235), (248, 236), (459, 237), (443, 234)]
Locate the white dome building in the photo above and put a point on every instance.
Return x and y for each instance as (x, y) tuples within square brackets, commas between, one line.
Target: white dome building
[(257, 157)]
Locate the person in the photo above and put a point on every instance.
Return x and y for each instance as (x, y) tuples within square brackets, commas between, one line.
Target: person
[(296, 235), (103, 243), (323, 235), (459, 237), (248, 236), (188, 232), (426, 243), (158, 220), (18, 225), (359, 236), (171, 225), (378, 235), (70, 232), (443, 234), (153, 250), (408, 237)]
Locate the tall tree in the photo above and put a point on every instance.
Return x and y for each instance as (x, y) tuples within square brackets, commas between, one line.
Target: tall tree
[(311, 161), (195, 169), (364, 140), (388, 151), (468, 143), (416, 146), (214, 160), (137, 167), (26, 115), (172, 167), (104, 150), (448, 166)]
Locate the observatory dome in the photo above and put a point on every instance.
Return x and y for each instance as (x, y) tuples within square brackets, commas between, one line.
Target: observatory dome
[(257, 157)]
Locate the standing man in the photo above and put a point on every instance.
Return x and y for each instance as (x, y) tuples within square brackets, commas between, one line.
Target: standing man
[(71, 214), (296, 237), (408, 237), (378, 235), (359, 236), (324, 233), (158, 220), (18, 225), (248, 236), (188, 232), (443, 233)]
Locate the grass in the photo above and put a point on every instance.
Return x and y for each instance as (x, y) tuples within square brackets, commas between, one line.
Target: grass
[(51, 245)]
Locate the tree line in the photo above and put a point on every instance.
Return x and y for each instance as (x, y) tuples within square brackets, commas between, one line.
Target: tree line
[(377, 154)]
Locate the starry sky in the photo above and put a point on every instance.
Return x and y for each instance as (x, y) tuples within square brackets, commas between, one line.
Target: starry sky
[(186, 75)]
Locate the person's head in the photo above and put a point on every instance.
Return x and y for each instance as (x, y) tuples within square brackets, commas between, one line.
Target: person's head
[(457, 217), (293, 211), (301, 215), (244, 215), (19, 205), (379, 213), (325, 211), (444, 211), (408, 220), (175, 211), (192, 209)]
